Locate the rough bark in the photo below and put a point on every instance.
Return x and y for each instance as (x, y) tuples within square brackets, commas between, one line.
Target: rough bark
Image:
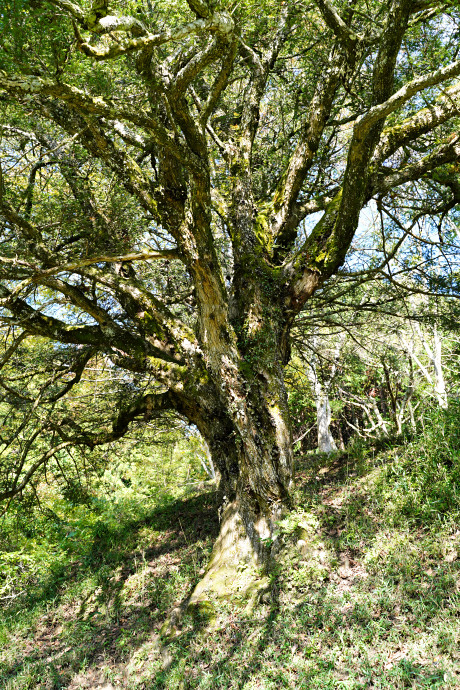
[(155, 137)]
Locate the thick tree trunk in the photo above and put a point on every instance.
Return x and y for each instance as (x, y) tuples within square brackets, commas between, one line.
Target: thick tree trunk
[(250, 444)]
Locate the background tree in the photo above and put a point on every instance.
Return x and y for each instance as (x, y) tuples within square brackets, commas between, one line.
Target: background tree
[(158, 163), (383, 368)]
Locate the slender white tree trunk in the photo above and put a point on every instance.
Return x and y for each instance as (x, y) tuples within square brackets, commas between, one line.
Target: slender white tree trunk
[(381, 423), (326, 443), (435, 357), (206, 459), (439, 383)]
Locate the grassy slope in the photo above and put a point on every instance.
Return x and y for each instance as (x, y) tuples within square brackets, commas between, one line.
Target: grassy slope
[(367, 594)]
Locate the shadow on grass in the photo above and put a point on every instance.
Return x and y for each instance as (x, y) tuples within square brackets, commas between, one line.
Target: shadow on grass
[(384, 616), (99, 609)]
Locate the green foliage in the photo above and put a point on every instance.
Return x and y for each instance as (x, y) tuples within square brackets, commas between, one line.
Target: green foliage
[(422, 484), (300, 399), (366, 592), (47, 529), (99, 538)]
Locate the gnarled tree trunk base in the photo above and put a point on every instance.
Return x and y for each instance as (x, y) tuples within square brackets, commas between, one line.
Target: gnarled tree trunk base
[(235, 573), (235, 569)]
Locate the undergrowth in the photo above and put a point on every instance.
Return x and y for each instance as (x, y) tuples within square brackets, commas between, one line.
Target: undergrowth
[(366, 593)]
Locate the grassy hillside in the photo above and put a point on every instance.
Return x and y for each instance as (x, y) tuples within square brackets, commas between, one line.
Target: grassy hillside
[(366, 595)]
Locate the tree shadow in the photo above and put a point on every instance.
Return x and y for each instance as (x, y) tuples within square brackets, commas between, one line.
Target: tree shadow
[(361, 627), (353, 629), (109, 602)]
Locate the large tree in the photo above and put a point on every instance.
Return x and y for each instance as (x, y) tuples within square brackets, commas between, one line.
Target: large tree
[(160, 160)]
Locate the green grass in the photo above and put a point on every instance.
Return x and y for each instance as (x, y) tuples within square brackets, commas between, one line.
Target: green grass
[(366, 594)]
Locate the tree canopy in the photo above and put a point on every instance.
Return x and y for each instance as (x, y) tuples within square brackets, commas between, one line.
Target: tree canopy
[(179, 179)]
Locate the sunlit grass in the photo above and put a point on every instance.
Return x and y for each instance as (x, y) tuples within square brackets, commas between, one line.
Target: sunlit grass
[(366, 594)]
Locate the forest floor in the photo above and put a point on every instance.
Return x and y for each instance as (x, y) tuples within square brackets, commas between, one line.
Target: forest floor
[(367, 594)]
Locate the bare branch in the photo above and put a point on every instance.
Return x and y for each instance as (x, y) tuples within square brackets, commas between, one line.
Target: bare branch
[(446, 107), (220, 82), (17, 488), (444, 153), (86, 105), (219, 22), (285, 197), (382, 110), (12, 348), (70, 7), (335, 22)]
